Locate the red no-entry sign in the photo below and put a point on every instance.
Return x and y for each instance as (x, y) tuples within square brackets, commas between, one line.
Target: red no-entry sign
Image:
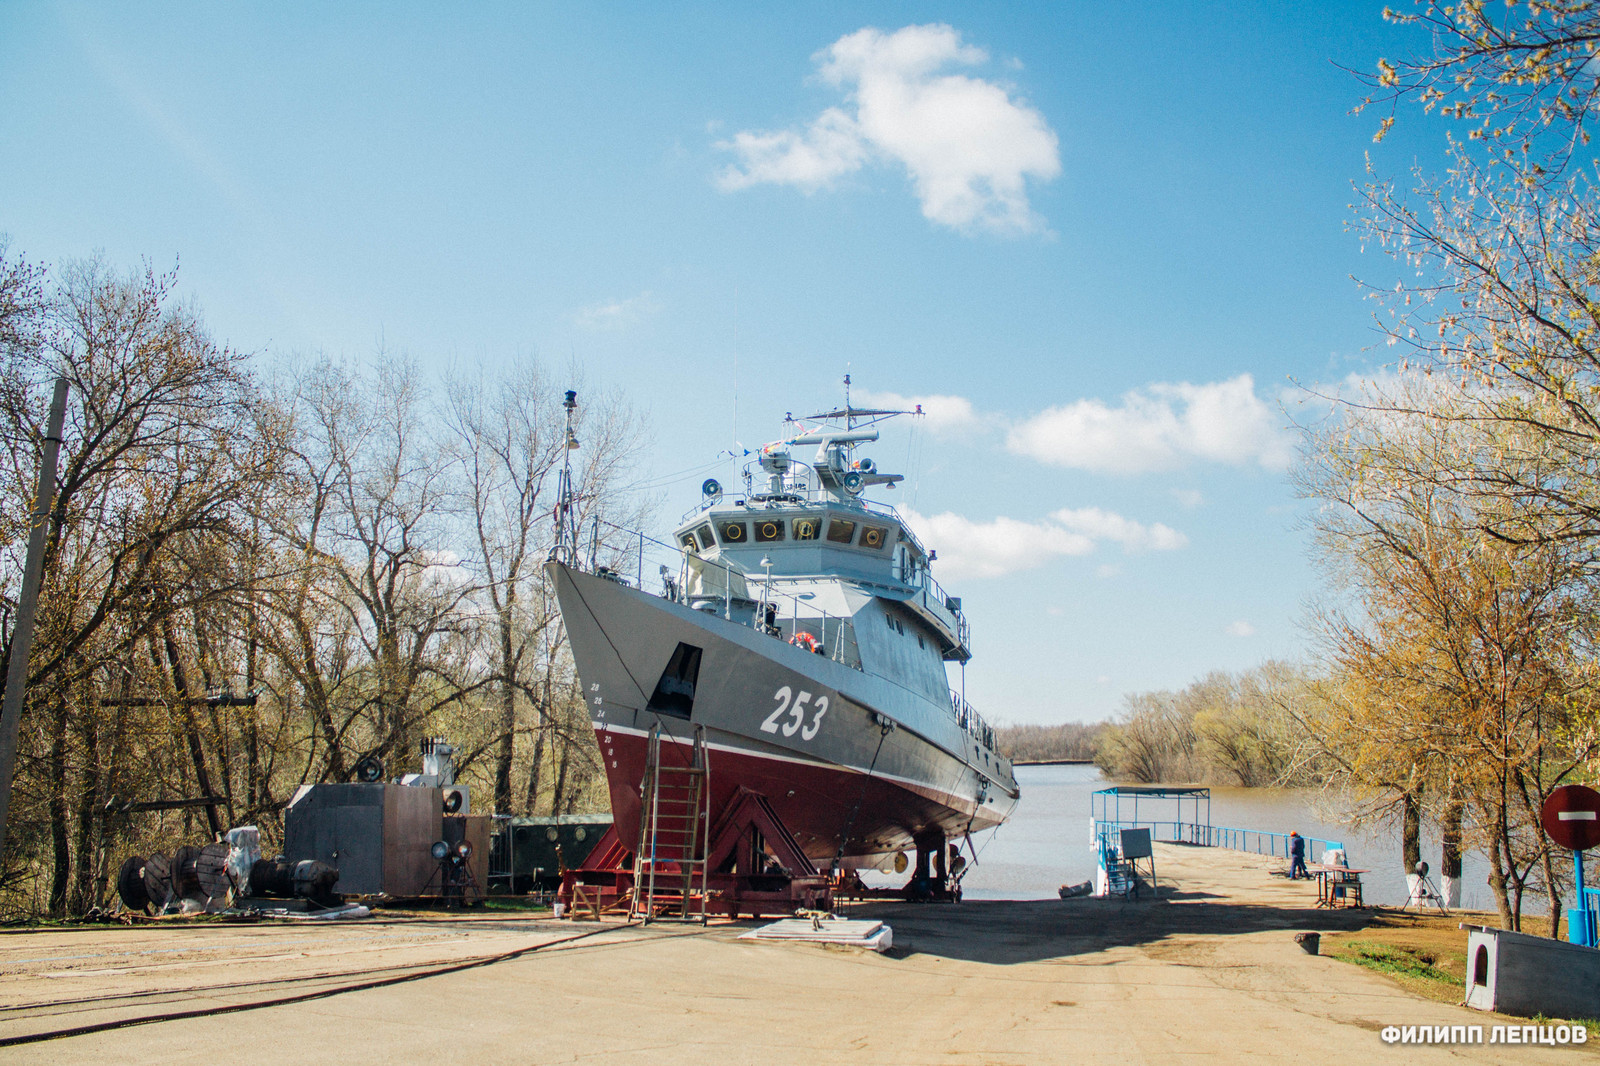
[(1571, 815)]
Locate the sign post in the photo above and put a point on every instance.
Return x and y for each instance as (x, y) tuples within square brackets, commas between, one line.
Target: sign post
[(1571, 818)]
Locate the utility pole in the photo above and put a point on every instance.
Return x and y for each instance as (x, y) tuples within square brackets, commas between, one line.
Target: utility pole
[(27, 605)]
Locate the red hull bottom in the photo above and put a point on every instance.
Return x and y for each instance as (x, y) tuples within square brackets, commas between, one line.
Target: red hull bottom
[(820, 805)]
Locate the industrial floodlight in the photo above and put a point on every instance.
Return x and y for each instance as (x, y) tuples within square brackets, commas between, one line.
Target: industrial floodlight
[(439, 850)]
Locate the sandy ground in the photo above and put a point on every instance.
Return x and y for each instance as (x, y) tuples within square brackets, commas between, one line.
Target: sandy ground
[(1210, 974)]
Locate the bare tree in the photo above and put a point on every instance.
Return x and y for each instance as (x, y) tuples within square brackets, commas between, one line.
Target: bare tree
[(1519, 76), (509, 440), (374, 624), (165, 441)]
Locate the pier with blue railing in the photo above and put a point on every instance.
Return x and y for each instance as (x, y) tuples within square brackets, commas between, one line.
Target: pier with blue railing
[(1183, 817)]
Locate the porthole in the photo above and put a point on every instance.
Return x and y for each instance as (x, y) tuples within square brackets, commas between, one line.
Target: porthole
[(733, 533), (551, 834), (580, 833), (769, 529)]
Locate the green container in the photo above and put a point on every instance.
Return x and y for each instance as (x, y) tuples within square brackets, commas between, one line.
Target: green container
[(534, 842)]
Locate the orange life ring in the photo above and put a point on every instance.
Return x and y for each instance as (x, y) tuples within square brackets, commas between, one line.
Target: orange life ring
[(806, 642)]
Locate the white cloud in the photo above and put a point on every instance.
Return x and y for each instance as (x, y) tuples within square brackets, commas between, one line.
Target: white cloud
[(830, 147), (617, 314), (1160, 427), (939, 412), (968, 147), (996, 547), (1241, 628), (1134, 537), (1005, 545)]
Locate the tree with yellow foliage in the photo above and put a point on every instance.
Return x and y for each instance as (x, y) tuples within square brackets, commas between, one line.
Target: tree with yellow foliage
[(1463, 661)]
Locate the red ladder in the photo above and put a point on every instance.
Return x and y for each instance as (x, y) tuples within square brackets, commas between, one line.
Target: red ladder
[(669, 866)]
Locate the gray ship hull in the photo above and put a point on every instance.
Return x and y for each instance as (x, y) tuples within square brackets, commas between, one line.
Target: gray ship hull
[(856, 765)]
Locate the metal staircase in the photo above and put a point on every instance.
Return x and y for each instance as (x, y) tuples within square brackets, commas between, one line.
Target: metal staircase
[(670, 863)]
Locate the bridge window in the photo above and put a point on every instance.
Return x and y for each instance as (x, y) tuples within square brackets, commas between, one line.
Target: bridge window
[(707, 541), (688, 542), (840, 531), (733, 532), (769, 529), (874, 537), (806, 528)]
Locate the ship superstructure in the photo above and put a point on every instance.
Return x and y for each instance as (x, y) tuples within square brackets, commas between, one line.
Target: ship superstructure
[(800, 631)]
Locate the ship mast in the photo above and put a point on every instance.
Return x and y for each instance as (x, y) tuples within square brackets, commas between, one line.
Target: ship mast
[(566, 546)]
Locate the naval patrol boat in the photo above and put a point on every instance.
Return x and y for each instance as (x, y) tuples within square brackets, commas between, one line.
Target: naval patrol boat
[(799, 632)]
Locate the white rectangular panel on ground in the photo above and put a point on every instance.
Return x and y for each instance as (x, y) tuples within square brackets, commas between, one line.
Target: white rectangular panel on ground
[(859, 933)]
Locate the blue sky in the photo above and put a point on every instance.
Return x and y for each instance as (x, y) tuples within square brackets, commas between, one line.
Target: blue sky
[(1110, 236)]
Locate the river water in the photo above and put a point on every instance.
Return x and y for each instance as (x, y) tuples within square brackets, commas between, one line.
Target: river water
[(1046, 842)]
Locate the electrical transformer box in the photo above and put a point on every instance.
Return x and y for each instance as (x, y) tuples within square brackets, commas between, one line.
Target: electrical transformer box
[(378, 835)]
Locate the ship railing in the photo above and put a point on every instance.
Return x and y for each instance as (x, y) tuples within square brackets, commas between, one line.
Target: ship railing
[(800, 491), (660, 568), (971, 721), (945, 606)]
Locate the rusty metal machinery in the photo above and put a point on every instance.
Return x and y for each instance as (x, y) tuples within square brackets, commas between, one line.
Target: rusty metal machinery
[(200, 877)]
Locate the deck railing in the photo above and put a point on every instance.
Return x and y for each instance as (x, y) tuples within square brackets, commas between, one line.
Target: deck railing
[(801, 490), (655, 567), (971, 721)]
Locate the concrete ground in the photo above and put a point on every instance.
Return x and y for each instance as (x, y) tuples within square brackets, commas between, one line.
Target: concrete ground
[(1210, 973)]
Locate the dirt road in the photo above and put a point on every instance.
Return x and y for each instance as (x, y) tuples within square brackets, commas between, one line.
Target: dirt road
[(1210, 974)]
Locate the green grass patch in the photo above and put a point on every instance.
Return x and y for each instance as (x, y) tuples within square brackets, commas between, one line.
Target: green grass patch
[(513, 904), (1392, 960)]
